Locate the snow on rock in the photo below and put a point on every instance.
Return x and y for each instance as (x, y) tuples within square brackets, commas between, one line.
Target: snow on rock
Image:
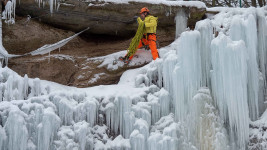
[(95, 78), (197, 4), (112, 62)]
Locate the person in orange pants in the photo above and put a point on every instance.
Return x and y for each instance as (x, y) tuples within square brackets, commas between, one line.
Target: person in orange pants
[(149, 37), (151, 42)]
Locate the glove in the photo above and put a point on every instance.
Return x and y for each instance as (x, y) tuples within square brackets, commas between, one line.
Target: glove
[(139, 20)]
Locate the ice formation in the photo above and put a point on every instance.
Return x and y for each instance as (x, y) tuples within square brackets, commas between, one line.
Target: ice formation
[(9, 12), (203, 93), (48, 48), (52, 4)]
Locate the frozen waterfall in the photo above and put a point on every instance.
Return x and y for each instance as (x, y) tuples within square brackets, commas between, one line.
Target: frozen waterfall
[(202, 94)]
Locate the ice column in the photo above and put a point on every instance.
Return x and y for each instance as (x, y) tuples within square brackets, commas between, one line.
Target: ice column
[(17, 133), (9, 12), (47, 129), (246, 30), (206, 127), (262, 41), (88, 111), (36, 88), (229, 85), (167, 72), (181, 22), (126, 118), (82, 132), (187, 73), (111, 118), (205, 29), (137, 141), (3, 138), (25, 88)]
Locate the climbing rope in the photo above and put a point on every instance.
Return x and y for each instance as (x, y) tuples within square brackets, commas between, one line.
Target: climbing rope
[(136, 39)]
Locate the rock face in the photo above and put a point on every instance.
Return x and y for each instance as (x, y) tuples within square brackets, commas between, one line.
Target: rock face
[(106, 18), (112, 26)]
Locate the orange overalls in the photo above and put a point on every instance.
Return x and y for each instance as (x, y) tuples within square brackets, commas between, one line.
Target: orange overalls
[(151, 42)]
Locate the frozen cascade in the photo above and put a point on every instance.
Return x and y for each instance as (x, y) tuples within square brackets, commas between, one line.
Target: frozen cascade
[(229, 84), (16, 130), (167, 71), (262, 44), (165, 108), (88, 111), (186, 81), (13, 88), (25, 87), (9, 12), (3, 138), (78, 136), (123, 104), (47, 129), (52, 4), (36, 87), (246, 30), (82, 131), (207, 128), (180, 22), (205, 29)]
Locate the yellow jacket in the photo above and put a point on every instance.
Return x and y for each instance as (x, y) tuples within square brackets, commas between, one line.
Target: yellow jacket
[(150, 23)]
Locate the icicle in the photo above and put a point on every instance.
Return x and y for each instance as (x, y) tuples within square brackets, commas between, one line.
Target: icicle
[(246, 30), (8, 94), (3, 138), (141, 112), (1, 92), (88, 111), (181, 23), (66, 110), (205, 29), (155, 108), (186, 81), (167, 72), (47, 129), (262, 44), (128, 123), (81, 130), (205, 126), (9, 12), (36, 88), (137, 141), (164, 101), (25, 87), (229, 84), (17, 133), (123, 104)]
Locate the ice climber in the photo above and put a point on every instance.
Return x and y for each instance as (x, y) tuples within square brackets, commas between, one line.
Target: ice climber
[(147, 37)]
